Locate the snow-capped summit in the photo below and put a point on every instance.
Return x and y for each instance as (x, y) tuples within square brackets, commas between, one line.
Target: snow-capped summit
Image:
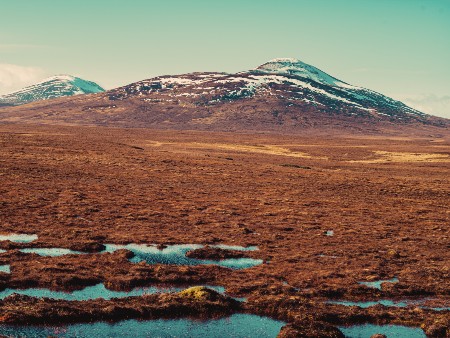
[(294, 85), (292, 66), (50, 88), (280, 94), (61, 77)]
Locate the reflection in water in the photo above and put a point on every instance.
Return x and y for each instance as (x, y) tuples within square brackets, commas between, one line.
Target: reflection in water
[(51, 252), (391, 331), (236, 326), (90, 292), (5, 268), (387, 302), (19, 238), (97, 291), (377, 284), (176, 254)]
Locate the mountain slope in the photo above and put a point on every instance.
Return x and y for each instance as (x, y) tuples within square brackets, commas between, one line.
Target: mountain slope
[(50, 88), (282, 94)]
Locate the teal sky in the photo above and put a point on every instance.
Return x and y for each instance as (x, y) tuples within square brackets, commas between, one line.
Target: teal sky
[(398, 47)]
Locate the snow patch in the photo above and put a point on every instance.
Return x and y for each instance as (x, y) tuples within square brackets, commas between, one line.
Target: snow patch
[(296, 67)]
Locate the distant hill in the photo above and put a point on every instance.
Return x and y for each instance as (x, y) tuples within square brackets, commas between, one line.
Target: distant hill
[(53, 87), (282, 94)]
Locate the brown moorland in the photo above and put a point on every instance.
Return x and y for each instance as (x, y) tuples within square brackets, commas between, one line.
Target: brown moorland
[(386, 199)]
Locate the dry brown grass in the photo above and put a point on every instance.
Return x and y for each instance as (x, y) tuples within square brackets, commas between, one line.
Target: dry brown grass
[(266, 149), (389, 156), (80, 185)]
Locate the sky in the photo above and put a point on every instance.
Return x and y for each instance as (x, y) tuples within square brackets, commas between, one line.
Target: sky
[(400, 48)]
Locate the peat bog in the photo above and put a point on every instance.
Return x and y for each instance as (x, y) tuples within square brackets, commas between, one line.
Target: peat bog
[(115, 212)]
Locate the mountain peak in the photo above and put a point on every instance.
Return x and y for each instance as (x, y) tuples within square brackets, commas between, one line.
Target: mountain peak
[(285, 60), (295, 67), (59, 77), (50, 88)]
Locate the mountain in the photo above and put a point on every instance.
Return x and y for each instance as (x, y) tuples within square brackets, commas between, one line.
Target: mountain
[(50, 88), (291, 81), (282, 94)]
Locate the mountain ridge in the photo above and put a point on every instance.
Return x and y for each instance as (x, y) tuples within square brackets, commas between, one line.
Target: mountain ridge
[(282, 94)]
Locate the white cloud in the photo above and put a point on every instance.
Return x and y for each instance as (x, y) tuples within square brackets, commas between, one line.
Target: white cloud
[(430, 104), (14, 77)]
